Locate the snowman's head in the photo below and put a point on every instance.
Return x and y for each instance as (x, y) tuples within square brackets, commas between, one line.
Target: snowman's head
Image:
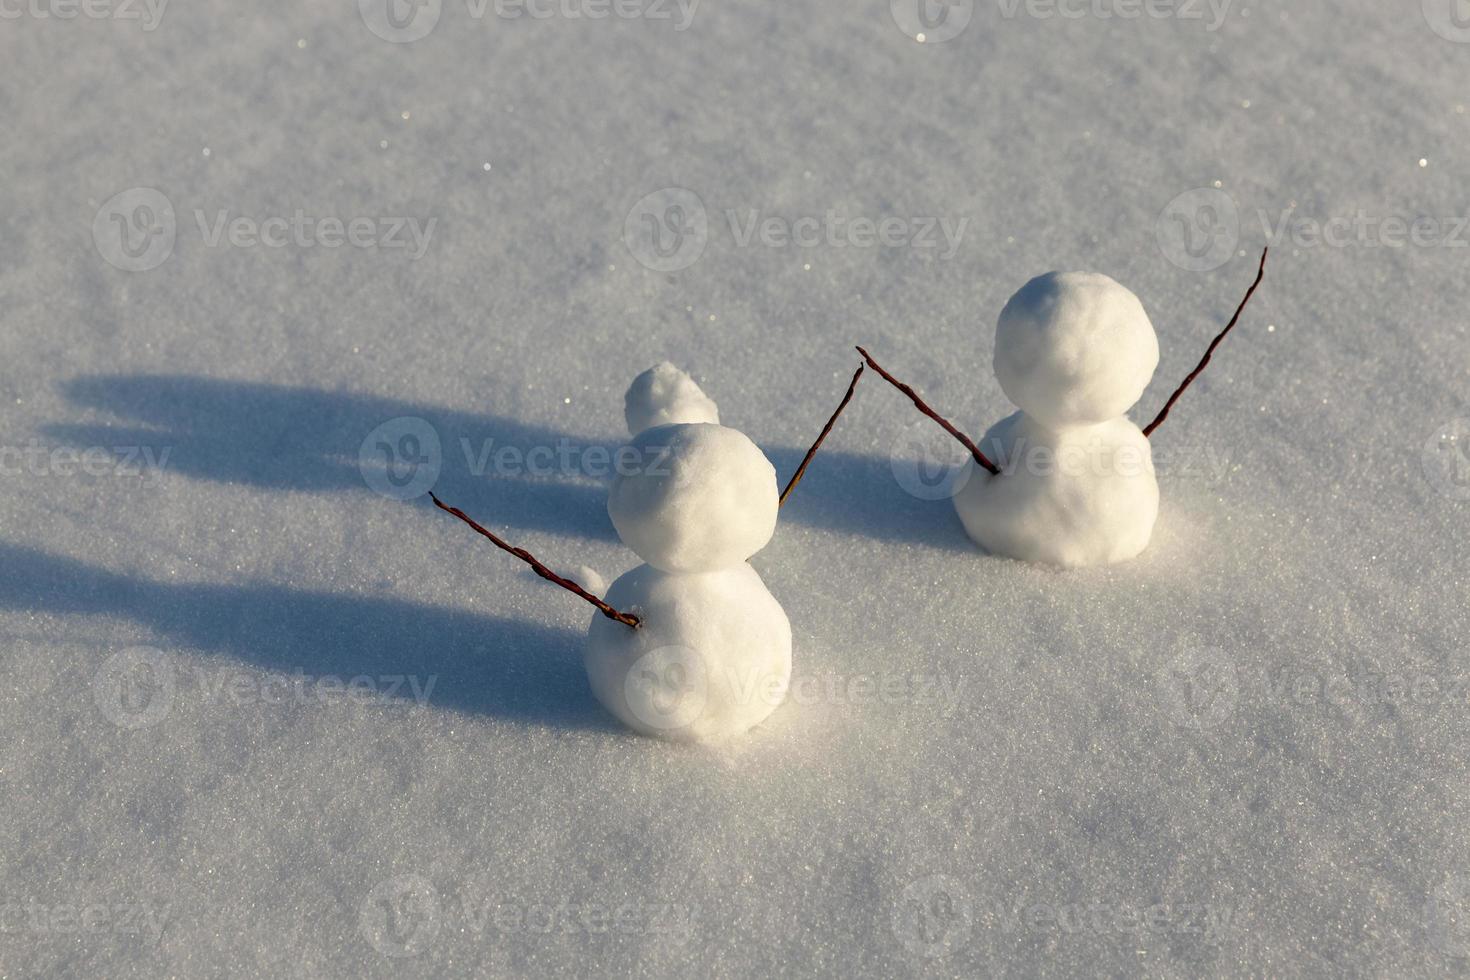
[(663, 395), (1074, 348), (693, 497)]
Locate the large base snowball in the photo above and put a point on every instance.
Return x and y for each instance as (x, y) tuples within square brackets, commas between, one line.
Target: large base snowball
[(664, 395), (694, 498), (711, 659), (1074, 348), (1082, 496)]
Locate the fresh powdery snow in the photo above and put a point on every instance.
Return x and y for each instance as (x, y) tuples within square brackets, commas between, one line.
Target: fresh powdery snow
[(1199, 706)]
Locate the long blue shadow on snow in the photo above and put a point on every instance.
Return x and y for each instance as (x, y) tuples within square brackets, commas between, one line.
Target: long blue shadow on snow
[(480, 664), (308, 439)]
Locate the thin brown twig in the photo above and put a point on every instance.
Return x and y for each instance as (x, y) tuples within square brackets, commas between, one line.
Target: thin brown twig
[(1164, 412), (627, 619), (826, 429), (926, 410)]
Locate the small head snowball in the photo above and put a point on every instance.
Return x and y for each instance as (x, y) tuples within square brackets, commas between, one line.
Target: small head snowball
[(693, 498), (1074, 348), (664, 395)]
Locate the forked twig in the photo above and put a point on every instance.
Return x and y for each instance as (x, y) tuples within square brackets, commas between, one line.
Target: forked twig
[(926, 410), (826, 429), (1164, 412), (627, 619)]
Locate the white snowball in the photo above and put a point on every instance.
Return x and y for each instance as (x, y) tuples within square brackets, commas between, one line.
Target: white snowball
[(1081, 496), (696, 498), (1074, 348), (711, 659), (664, 395)]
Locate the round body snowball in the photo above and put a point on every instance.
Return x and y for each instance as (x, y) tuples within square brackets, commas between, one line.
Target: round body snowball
[(711, 658), (693, 498), (1074, 348), (1079, 496), (664, 395)]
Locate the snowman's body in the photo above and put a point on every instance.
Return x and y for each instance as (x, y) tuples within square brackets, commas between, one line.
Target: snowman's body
[(1073, 351), (711, 656)]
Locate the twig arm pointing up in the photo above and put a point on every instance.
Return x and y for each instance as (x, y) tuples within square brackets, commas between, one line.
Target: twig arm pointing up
[(826, 429), (1164, 412)]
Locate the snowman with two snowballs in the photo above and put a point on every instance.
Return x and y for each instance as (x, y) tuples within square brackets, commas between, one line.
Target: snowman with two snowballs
[(1074, 352), (711, 656)]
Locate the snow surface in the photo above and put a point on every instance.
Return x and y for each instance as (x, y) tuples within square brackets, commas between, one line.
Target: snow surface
[(1243, 753)]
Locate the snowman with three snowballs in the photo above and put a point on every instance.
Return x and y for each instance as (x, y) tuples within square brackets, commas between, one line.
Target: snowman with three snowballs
[(711, 656)]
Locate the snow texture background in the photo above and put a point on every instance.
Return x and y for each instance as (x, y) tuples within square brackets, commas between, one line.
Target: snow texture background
[(1242, 754)]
